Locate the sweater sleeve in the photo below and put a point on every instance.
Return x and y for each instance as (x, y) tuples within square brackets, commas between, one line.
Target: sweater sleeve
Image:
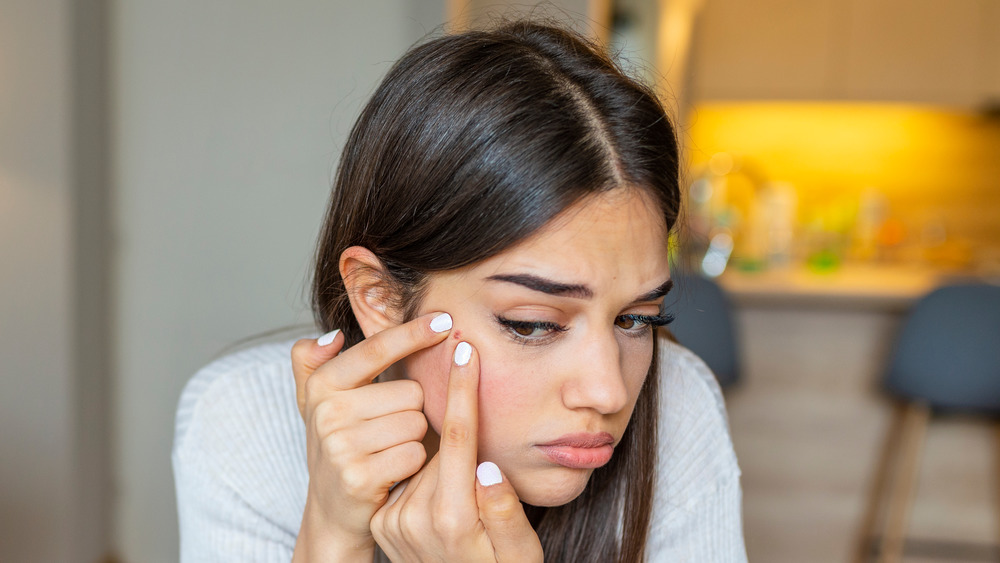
[(239, 459), (697, 506)]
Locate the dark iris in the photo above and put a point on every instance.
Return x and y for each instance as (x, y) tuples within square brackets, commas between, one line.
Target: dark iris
[(625, 322)]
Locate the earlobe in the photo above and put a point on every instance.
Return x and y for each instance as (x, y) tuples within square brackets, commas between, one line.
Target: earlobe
[(364, 277)]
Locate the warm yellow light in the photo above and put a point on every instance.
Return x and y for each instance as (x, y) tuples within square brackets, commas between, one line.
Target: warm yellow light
[(931, 164)]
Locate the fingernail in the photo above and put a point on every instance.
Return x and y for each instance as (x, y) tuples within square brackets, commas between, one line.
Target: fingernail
[(463, 352), (488, 474), (441, 323), (327, 338)]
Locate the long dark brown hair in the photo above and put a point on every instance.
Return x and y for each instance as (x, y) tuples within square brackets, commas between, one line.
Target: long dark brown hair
[(472, 143)]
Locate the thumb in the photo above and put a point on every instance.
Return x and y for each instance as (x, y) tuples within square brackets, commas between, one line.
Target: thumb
[(503, 517), (307, 356)]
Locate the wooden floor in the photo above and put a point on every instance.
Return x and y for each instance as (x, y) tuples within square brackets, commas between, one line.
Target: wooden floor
[(807, 423)]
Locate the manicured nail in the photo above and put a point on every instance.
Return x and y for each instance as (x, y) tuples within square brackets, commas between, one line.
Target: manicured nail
[(488, 474), (327, 338), (441, 323), (463, 352)]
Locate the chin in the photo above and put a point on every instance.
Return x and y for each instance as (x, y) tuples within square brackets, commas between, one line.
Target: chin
[(557, 487)]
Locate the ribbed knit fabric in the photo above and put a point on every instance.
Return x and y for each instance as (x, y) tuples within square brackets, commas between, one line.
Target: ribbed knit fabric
[(240, 463)]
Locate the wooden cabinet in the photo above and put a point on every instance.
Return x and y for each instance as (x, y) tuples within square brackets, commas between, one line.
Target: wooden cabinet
[(915, 50), (926, 51), (766, 49), (991, 53)]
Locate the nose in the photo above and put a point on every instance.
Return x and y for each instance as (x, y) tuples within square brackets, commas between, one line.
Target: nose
[(595, 379)]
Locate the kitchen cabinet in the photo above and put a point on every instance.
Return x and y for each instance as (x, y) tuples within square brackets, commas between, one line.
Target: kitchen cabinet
[(767, 49), (925, 51), (915, 50), (991, 53), (483, 13)]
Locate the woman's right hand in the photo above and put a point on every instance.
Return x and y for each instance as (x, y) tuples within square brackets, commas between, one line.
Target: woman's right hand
[(360, 437)]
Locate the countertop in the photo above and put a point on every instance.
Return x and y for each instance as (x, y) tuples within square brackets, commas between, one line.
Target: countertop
[(876, 287)]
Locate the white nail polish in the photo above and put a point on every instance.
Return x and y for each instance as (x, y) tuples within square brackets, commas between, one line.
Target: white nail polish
[(463, 352), (488, 474), (441, 323), (327, 338)]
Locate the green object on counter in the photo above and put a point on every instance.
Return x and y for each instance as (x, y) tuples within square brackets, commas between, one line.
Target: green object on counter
[(750, 264), (824, 261)]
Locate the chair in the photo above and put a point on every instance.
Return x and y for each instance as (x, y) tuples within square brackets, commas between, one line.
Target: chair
[(704, 324), (946, 358)]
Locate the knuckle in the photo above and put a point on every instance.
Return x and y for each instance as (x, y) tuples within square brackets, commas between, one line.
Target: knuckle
[(446, 524), (326, 418), (373, 349), (354, 480), (338, 406), (410, 519), (417, 421), (420, 424), (419, 331), (300, 353), (313, 388), (333, 446), (413, 456), (413, 390), (455, 433), (505, 507)]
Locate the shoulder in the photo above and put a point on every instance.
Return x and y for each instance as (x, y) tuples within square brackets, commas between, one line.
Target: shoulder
[(215, 387), (697, 511), (239, 442), (237, 388), (694, 428)]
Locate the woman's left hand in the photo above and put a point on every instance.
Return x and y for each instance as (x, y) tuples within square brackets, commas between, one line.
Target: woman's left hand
[(443, 512)]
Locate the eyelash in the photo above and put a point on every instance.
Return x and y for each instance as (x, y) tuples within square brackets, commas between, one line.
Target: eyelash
[(511, 325)]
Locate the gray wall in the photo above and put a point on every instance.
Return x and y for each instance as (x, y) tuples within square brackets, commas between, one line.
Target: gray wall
[(228, 118), (161, 185), (37, 284)]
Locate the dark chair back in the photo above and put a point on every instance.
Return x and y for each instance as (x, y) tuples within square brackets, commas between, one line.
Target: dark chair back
[(948, 351), (704, 324)]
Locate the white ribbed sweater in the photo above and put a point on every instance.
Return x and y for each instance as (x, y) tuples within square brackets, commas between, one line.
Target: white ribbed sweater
[(240, 462)]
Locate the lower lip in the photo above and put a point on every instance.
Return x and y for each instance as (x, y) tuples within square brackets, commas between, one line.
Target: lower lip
[(578, 458)]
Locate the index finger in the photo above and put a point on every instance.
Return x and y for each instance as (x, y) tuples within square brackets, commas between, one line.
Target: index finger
[(363, 362), (460, 432)]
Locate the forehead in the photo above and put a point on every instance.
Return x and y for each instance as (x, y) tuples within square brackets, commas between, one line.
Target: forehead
[(612, 241)]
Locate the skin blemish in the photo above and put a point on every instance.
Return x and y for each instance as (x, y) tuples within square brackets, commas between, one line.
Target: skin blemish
[(456, 334)]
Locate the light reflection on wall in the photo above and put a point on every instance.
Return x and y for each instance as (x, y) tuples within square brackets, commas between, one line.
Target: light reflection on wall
[(934, 166)]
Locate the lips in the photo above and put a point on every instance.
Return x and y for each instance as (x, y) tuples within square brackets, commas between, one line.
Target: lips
[(579, 451)]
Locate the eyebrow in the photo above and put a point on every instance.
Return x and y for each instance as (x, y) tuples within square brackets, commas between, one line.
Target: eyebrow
[(543, 285), (579, 291), (657, 293)]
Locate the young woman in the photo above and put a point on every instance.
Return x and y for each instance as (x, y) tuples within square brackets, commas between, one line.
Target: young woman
[(491, 385)]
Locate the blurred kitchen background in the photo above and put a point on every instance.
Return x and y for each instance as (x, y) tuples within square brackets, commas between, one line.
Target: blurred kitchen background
[(164, 167)]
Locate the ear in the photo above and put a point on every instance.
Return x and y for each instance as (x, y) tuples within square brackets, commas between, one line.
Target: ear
[(363, 274)]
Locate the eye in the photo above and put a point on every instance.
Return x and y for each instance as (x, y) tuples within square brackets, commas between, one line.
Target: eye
[(625, 321), (529, 332), (639, 324)]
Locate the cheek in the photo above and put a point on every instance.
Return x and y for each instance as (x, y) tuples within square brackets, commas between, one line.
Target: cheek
[(515, 402), (430, 368), (504, 396), (502, 389), (635, 367)]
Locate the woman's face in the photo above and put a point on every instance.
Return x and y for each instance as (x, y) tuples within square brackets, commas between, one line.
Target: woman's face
[(561, 323)]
